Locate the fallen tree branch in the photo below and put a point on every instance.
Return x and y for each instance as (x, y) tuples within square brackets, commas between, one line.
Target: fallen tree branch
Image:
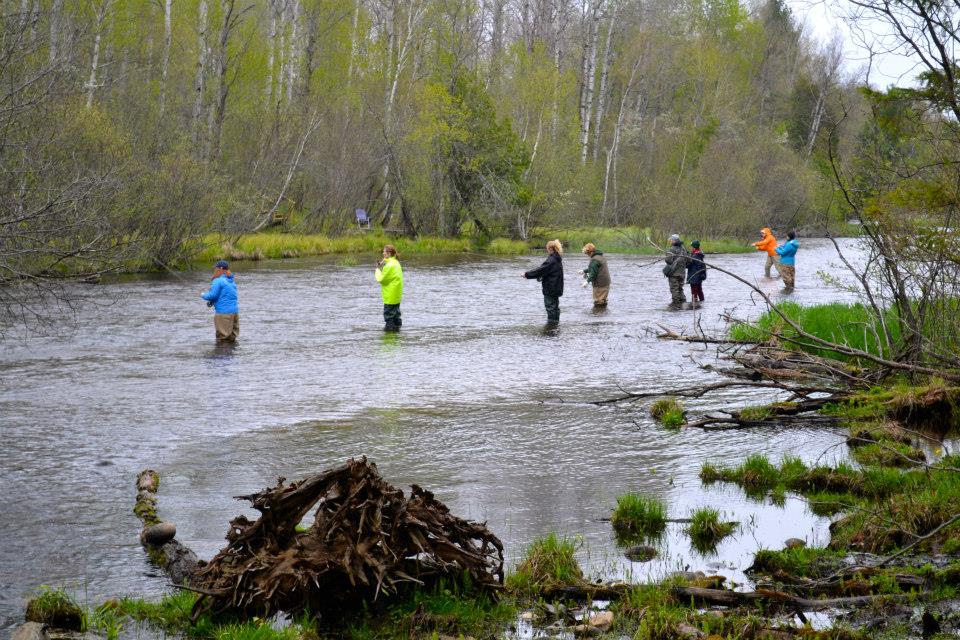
[(727, 598)]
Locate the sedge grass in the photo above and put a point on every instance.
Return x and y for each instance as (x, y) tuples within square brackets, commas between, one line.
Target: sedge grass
[(638, 515), (549, 562), (706, 529)]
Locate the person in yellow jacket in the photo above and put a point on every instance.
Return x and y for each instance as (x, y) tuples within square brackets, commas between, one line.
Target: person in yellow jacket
[(389, 274), (769, 244)]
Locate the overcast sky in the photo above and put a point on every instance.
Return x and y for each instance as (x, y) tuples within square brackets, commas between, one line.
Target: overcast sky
[(824, 18)]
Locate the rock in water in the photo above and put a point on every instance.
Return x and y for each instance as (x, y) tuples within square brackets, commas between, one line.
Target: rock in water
[(640, 553), (30, 631), (159, 534), (602, 620), (794, 543)]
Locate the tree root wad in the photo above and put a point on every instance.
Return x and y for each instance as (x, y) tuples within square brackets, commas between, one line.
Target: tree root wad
[(367, 541)]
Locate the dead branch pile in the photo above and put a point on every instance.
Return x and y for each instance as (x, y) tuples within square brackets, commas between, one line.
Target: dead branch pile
[(367, 540)]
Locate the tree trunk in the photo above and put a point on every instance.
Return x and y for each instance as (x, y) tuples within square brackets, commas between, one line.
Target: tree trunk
[(223, 86), (56, 13), (95, 58), (199, 80), (271, 55), (615, 145), (816, 116), (353, 39), (594, 34), (167, 44), (602, 96)]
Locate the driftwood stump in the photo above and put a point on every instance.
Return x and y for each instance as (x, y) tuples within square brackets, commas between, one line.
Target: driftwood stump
[(366, 541)]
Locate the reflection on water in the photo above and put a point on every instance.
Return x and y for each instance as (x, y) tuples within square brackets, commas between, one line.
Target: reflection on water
[(474, 399)]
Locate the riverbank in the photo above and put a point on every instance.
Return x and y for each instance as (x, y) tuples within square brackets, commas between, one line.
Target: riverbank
[(278, 245)]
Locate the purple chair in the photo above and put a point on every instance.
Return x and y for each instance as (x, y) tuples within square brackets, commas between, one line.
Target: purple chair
[(363, 220)]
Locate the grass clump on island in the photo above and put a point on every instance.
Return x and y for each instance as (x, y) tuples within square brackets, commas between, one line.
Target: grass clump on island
[(639, 516), (706, 529), (548, 563), (669, 412)]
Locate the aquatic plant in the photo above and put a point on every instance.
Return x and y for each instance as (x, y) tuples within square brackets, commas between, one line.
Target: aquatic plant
[(669, 412), (639, 515), (888, 454), (706, 529), (55, 607), (548, 563)]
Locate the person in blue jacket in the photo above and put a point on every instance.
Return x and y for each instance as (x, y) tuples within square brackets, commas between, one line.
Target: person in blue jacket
[(788, 256), (222, 296)]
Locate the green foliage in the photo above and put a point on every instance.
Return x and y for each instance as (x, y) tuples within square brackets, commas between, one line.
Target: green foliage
[(548, 563), (668, 411), (888, 454), (54, 607), (706, 529), (799, 561), (852, 325), (637, 515)]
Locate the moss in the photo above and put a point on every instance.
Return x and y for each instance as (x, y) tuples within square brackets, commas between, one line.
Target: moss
[(888, 454), (799, 561), (756, 414)]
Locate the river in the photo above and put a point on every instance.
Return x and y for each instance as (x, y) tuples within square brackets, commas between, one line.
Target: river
[(473, 400)]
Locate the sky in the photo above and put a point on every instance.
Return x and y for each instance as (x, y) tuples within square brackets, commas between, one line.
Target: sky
[(824, 18)]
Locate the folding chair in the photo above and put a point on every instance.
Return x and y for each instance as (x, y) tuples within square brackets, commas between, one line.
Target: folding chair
[(363, 220)]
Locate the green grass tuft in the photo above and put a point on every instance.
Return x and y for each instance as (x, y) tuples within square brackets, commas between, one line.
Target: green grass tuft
[(549, 562), (639, 516), (706, 529), (669, 412), (55, 607)]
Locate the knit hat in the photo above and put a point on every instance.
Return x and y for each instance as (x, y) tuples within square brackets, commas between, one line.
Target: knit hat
[(695, 244), (222, 264), (675, 237)]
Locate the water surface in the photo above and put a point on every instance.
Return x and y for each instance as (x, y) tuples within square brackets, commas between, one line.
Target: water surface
[(473, 400)]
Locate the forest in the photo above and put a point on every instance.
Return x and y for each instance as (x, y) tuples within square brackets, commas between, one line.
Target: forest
[(133, 127)]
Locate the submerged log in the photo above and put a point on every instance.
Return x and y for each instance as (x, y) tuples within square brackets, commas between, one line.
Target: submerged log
[(367, 541), (727, 598), (158, 538)]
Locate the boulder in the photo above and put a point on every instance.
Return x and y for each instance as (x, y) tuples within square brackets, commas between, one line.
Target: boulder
[(30, 631), (159, 534), (586, 631), (640, 553), (602, 620), (794, 543)]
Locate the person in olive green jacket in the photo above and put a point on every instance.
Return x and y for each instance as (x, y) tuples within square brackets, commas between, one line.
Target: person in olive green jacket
[(598, 274), (389, 274)]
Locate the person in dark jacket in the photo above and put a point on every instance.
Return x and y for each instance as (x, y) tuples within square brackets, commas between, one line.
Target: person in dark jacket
[(222, 296), (550, 275), (598, 274), (676, 271), (696, 273)]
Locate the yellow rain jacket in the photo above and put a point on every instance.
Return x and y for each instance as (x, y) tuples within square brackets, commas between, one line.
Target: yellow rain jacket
[(768, 244), (390, 277)]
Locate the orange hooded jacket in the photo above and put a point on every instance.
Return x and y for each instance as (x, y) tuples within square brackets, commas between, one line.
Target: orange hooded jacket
[(768, 244)]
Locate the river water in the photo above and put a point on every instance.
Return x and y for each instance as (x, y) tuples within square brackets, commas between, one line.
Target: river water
[(473, 400)]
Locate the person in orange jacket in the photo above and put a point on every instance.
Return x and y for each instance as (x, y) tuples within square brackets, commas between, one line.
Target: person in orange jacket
[(767, 243)]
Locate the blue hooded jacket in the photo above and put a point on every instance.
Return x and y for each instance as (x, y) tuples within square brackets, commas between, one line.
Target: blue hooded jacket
[(223, 294), (788, 251)]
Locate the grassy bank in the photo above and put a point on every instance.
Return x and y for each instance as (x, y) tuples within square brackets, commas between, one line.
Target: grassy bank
[(850, 324), (277, 245), (636, 240)]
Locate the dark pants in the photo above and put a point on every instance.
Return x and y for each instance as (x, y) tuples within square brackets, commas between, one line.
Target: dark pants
[(696, 292), (552, 305), (391, 317)]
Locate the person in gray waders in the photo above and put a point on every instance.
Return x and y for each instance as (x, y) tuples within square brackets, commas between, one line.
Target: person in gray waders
[(598, 274), (676, 271)]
